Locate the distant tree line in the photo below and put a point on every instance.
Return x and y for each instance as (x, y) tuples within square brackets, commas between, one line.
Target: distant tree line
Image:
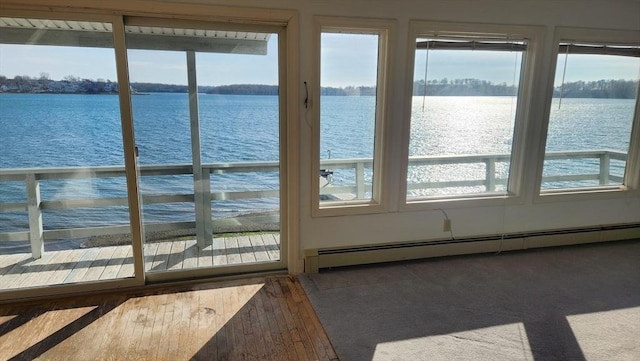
[(349, 91), (159, 88), (618, 89), (462, 87), (242, 89), (613, 89), (69, 85)]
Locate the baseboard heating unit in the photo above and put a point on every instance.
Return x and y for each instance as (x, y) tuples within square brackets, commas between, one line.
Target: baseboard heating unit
[(316, 259)]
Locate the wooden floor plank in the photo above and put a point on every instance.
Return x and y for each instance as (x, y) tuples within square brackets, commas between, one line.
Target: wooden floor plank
[(203, 324), (269, 327), (313, 325), (117, 318), (181, 321), (168, 311), (280, 318), (301, 339), (221, 343)]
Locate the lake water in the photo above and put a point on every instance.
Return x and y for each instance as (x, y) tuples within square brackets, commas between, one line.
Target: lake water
[(60, 130)]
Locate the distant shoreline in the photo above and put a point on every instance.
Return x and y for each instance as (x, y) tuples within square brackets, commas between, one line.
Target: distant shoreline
[(601, 89), (555, 96)]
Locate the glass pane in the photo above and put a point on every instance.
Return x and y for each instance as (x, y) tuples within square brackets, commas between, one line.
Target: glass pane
[(590, 120), (240, 135), (348, 68), (462, 118), (61, 150), (210, 160)]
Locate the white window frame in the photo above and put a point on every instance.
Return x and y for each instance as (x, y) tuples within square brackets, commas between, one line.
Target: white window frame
[(385, 29), (519, 164), (631, 182)]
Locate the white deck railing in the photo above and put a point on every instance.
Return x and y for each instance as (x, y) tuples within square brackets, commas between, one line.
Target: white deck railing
[(35, 205)]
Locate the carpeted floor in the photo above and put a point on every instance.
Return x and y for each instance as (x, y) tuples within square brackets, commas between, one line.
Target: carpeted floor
[(569, 303)]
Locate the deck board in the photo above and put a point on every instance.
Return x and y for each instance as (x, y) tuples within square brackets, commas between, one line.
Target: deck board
[(113, 262), (161, 259), (176, 256), (272, 245), (99, 264), (9, 262), (81, 267), (126, 269), (233, 254), (247, 254), (190, 255), (58, 268), (150, 250), (219, 251), (14, 270)]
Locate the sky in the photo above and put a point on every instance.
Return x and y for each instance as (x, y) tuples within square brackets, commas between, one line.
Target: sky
[(346, 60)]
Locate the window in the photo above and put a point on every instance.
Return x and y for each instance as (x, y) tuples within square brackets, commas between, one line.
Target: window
[(592, 111), (466, 90), (351, 109)]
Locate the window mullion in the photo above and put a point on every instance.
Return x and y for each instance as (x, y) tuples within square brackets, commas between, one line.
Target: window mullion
[(131, 166)]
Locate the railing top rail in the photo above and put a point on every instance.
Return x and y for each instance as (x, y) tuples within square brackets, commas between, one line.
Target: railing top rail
[(17, 174)]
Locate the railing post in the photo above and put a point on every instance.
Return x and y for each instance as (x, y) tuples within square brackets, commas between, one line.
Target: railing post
[(207, 224), (605, 163), (36, 235), (201, 187), (490, 178), (359, 180)]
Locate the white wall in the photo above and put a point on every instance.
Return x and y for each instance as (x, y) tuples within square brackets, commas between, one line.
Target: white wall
[(531, 215), (528, 215)]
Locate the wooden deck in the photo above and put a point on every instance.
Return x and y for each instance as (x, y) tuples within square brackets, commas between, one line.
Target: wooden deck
[(103, 263), (253, 319)]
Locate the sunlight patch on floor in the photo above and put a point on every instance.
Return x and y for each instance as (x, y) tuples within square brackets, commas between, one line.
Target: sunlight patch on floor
[(504, 342), (604, 335)]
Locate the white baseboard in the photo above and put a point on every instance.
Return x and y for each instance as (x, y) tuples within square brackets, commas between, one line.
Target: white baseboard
[(316, 259)]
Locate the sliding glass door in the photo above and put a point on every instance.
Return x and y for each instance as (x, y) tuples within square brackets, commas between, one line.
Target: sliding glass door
[(204, 105)]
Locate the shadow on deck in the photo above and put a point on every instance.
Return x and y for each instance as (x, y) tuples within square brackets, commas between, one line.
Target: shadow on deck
[(20, 270)]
